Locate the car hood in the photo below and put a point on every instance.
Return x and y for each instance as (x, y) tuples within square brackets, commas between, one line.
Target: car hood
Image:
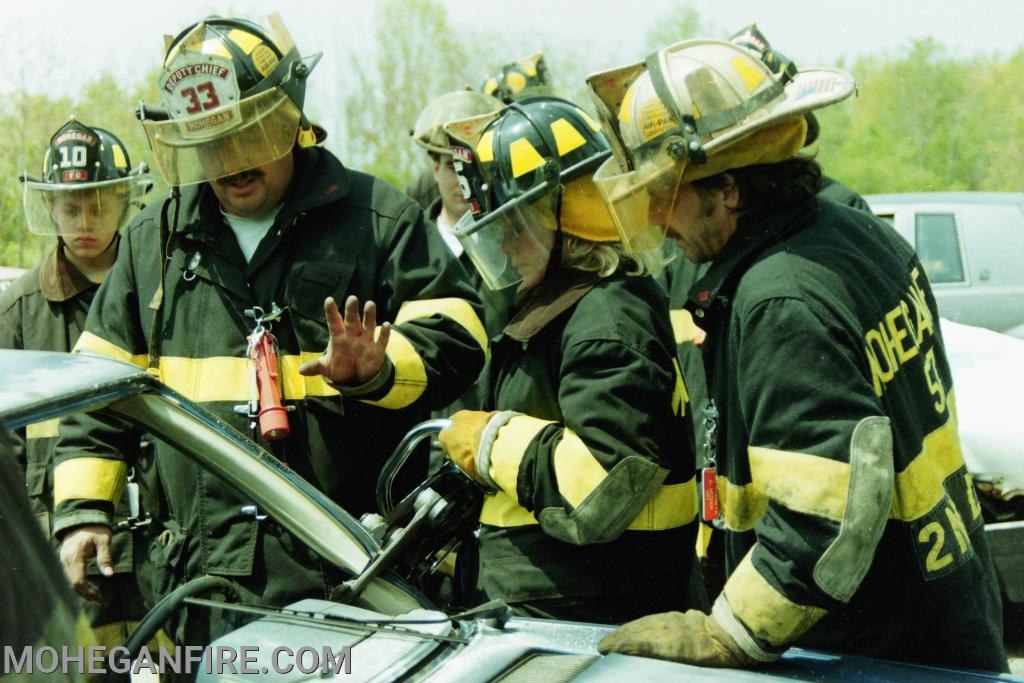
[(40, 386), (988, 370)]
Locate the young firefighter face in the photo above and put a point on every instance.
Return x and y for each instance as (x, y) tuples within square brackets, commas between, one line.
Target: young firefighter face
[(88, 220)]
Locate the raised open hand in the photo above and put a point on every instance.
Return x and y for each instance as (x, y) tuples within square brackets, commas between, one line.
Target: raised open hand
[(353, 355)]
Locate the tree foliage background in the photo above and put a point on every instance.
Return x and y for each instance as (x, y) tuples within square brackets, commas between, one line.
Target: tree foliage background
[(924, 119)]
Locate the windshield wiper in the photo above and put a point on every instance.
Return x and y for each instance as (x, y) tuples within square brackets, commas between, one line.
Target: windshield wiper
[(333, 620)]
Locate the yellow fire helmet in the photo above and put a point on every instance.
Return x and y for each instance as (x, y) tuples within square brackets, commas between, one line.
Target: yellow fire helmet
[(429, 133), (87, 184), (692, 110), (232, 100), (526, 172), (519, 80)]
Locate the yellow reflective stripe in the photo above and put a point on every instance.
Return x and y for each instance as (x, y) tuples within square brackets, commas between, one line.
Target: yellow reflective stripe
[(788, 477), (116, 633), (298, 386), (680, 396), (802, 482), (509, 447), (458, 310), (704, 532), (673, 506), (683, 327), (502, 510), (919, 487), (90, 343), (769, 615), (410, 374), (42, 430), (226, 378), (89, 478), (577, 471), (741, 504)]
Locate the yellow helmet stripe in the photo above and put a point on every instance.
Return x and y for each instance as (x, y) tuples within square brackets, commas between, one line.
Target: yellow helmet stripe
[(485, 148), (525, 157), (752, 76), (244, 40), (567, 138)]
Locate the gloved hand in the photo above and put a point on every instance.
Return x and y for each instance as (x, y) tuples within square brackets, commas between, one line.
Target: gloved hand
[(690, 638), (461, 441)]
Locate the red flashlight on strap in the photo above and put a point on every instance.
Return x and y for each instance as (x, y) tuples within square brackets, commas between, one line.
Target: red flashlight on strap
[(273, 416)]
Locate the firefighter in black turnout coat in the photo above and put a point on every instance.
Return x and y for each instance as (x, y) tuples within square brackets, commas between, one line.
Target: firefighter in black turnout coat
[(851, 524), (586, 447), (235, 270)]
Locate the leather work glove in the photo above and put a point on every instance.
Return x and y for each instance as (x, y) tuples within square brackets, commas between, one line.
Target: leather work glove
[(689, 638), (462, 440)]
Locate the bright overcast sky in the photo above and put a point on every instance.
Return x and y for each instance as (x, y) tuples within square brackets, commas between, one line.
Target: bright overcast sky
[(58, 41)]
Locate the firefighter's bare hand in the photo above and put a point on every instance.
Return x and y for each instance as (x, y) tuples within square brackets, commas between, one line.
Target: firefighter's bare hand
[(355, 352), (80, 545)]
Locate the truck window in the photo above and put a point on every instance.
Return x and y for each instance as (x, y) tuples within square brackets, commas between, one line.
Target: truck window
[(938, 247)]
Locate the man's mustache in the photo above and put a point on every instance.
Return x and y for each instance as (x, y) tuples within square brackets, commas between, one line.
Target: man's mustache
[(240, 178)]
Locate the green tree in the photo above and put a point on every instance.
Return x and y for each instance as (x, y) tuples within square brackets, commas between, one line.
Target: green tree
[(681, 22), (32, 118), (418, 57)]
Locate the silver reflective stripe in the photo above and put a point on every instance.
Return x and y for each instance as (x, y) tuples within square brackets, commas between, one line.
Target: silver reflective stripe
[(483, 451), (846, 561), (723, 614)]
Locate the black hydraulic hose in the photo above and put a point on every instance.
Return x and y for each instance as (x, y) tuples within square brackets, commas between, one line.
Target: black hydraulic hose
[(161, 612)]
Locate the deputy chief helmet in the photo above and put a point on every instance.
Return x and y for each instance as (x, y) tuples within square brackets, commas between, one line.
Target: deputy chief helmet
[(429, 133), (526, 173), (692, 110), (86, 172), (519, 80), (233, 94)]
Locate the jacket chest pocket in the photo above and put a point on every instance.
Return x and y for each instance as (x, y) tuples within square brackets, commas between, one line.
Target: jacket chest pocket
[(524, 383), (307, 286)]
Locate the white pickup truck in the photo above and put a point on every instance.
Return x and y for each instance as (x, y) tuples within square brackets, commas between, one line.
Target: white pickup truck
[(972, 246)]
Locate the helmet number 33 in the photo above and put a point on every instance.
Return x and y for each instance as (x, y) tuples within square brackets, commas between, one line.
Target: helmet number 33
[(203, 96)]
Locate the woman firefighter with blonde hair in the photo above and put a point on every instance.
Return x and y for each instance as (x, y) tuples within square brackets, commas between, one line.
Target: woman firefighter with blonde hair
[(586, 449)]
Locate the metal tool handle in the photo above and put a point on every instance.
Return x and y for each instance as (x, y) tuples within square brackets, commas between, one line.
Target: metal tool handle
[(422, 431)]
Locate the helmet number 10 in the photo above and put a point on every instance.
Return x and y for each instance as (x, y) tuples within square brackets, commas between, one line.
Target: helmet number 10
[(203, 96), (72, 156)]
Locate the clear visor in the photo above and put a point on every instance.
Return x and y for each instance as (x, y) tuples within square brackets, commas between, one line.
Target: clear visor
[(512, 245), (73, 211), (640, 201), (225, 140)]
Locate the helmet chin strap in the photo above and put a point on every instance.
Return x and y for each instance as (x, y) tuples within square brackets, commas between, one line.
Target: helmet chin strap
[(555, 257)]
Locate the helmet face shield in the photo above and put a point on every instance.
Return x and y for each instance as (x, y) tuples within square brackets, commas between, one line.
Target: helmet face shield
[(73, 211), (640, 201), (461, 104), (225, 140), (232, 100), (511, 245)]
